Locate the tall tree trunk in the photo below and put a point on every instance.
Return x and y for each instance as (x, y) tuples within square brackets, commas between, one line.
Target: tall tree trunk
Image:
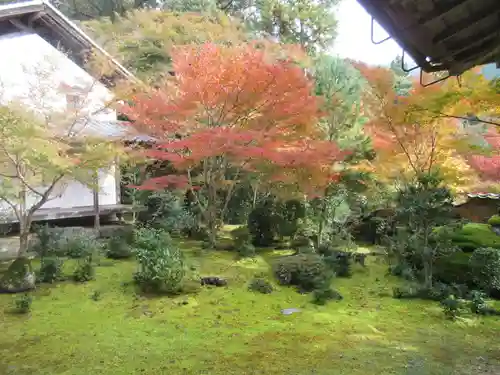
[(212, 231), (427, 260), (24, 223), (97, 211), (24, 233), (212, 218), (321, 224), (255, 193)]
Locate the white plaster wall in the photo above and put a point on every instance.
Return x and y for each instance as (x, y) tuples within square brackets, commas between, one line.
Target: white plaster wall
[(32, 72)]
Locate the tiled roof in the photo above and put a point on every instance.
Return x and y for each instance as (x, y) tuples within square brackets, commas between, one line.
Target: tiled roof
[(43, 16), (484, 195), (108, 129)]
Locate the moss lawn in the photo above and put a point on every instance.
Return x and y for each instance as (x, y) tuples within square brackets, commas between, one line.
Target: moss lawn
[(230, 330)]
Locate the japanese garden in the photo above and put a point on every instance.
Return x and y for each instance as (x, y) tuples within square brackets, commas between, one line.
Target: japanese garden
[(285, 210)]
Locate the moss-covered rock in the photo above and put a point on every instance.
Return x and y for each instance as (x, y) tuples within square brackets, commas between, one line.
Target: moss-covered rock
[(19, 277)]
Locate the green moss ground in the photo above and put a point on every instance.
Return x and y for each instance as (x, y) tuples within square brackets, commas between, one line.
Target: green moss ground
[(233, 331)]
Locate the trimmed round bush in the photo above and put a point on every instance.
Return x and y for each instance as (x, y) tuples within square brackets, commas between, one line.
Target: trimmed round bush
[(51, 269), (485, 269), (119, 248), (161, 263), (242, 239), (84, 270), (306, 271), (494, 220), (453, 268), (260, 285), (246, 250), (241, 236), (322, 296)]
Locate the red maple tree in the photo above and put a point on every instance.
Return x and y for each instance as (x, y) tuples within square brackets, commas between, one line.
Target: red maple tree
[(228, 111), (488, 166)]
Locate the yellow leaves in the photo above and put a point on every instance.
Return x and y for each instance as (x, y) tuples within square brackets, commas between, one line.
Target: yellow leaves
[(471, 93), (421, 131), (32, 157)]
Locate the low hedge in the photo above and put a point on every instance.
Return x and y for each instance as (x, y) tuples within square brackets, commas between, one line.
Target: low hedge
[(474, 236)]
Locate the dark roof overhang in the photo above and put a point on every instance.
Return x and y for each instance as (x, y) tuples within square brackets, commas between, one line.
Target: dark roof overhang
[(442, 35)]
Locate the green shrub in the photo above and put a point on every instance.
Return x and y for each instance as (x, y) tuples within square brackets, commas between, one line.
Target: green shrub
[(453, 268), (205, 245), (406, 292), (22, 304), (274, 218), (340, 262), (287, 217), (477, 303), (119, 248), (47, 241), (243, 242), (96, 295), (403, 270), (438, 292), (261, 224), (306, 271), (494, 220), (300, 242), (260, 285), (451, 307), (326, 249), (246, 250), (166, 210), (485, 269), (472, 236), (80, 245), (161, 264), (343, 265), (241, 235), (84, 270), (306, 250), (198, 233), (323, 295), (51, 269)]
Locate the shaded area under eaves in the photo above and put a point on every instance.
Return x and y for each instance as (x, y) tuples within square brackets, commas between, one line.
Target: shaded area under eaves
[(442, 35)]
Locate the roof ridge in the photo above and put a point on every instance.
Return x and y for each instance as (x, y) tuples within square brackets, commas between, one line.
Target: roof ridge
[(9, 10)]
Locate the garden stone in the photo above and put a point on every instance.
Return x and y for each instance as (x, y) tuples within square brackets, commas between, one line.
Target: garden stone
[(213, 280), (496, 230), (290, 311), (18, 278)]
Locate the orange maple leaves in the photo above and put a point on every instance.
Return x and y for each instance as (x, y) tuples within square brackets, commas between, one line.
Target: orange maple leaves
[(243, 107)]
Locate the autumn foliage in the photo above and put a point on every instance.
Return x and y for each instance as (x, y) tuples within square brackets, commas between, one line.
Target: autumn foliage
[(234, 110), (409, 132), (488, 166)]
